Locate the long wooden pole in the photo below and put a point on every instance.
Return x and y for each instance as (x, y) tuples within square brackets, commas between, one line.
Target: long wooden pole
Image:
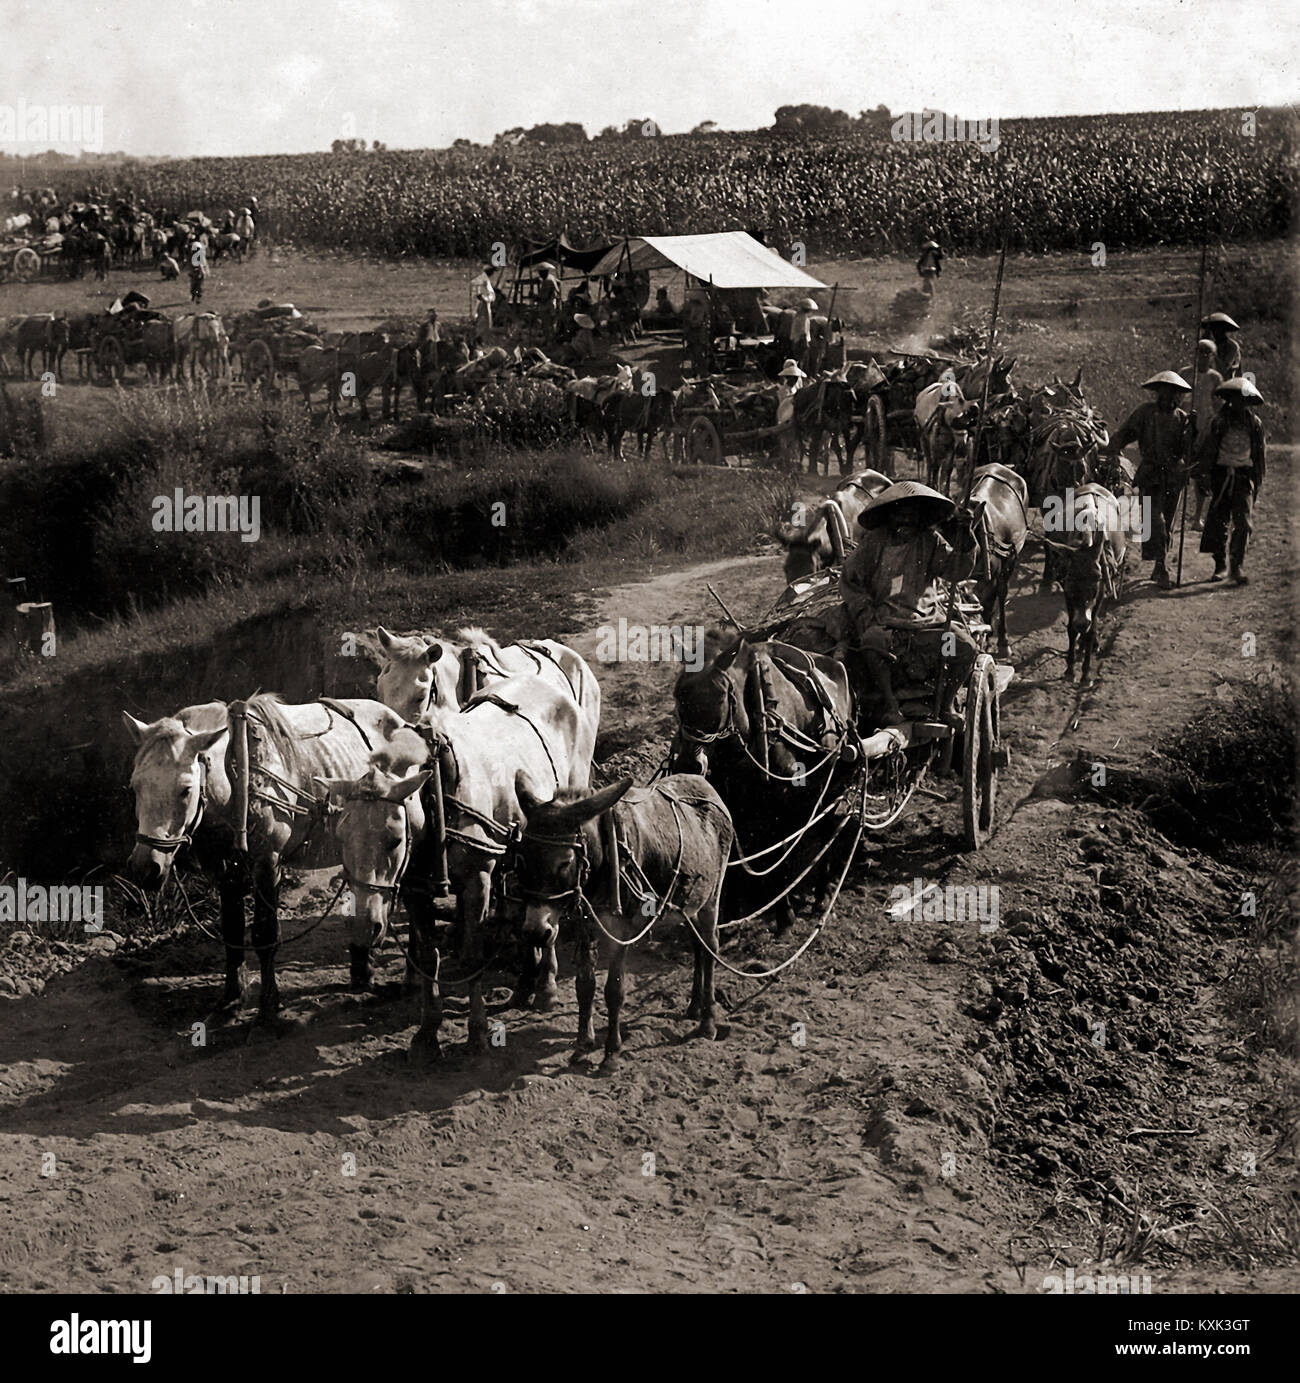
[(1196, 368), (970, 468)]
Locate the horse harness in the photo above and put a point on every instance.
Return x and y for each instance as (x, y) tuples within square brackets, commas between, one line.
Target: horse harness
[(620, 864)]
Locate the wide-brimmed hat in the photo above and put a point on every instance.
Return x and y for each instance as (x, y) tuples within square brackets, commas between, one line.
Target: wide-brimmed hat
[(1205, 344), (931, 503), (1220, 319), (1238, 388), (584, 321), (809, 305), (930, 245), (791, 367), (1167, 377), (547, 269)]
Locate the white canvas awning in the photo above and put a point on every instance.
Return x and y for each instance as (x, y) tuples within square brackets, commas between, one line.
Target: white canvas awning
[(729, 259)]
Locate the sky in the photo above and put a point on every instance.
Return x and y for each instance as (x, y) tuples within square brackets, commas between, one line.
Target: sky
[(195, 77)]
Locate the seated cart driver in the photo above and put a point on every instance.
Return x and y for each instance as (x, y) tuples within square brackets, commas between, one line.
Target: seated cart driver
[(895, 587)]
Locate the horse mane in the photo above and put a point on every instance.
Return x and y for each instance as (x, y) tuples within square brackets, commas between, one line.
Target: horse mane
[(266, 708), (170, 730), (478, 638), (404, 750)]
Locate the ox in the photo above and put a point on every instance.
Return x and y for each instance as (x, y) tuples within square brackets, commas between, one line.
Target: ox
[(943, 417), (822, 541), (200, 339), (521, 735)]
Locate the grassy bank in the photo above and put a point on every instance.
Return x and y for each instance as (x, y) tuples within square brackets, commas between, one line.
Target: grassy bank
[(150, 622)]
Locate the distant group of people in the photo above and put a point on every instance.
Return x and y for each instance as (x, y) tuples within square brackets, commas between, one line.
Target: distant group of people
[(1219, 444)]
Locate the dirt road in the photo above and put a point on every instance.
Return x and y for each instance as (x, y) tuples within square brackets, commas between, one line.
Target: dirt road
[(915, 1106)]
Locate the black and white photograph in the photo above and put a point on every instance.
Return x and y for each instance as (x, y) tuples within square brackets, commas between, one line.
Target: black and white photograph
[(649, 648)]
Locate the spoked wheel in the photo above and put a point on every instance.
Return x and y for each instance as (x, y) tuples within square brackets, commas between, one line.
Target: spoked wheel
[(873, 437), (703, 443), (259, 366), (979, 782), (27, 264), (111, 359)]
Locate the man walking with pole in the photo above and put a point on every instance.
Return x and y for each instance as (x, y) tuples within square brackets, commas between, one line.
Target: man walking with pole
[(1162, 431)]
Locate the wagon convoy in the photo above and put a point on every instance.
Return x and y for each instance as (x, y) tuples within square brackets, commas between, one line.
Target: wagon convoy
[(470, 774)]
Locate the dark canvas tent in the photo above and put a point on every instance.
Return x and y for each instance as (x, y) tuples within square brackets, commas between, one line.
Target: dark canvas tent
[(562, 253)]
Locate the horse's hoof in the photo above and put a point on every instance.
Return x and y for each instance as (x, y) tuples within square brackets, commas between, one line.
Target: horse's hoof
[(546, 999), (1067, 676), (579, 1055), (519, 998), (610, 1064), (694, 1011), (424, 1051), (708, 1030)]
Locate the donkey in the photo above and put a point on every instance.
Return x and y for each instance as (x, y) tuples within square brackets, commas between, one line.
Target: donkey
[(998, 500), (590, 858), (1092, 571), (486, 755), (181, 781)]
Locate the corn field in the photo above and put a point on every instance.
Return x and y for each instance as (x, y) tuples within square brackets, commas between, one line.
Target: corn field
[(1054, 184)]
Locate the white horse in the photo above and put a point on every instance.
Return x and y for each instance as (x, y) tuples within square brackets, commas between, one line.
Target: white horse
[(519, 737), (420, 673), (182, 779)]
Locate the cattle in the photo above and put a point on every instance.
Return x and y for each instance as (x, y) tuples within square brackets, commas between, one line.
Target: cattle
[(943, 417), (522, 736), (822, 540), (200, 339), (641, 413), (184, 779), (343, 374)]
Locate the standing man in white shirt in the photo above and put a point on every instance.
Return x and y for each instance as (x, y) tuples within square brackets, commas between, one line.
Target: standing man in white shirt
[(482, 296)]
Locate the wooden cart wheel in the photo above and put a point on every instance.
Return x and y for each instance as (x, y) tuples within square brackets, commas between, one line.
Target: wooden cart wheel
[(873, 435), (704, 443), (27, 264), (259, 366), (111, 358), (979, 779)]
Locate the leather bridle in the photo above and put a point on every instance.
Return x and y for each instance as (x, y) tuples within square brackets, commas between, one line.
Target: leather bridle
[(170, 844)]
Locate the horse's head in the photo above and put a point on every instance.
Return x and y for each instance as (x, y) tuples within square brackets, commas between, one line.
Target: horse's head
[(555, 852), (418, 674), (380, 818), (170, 780), (708, 708)]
